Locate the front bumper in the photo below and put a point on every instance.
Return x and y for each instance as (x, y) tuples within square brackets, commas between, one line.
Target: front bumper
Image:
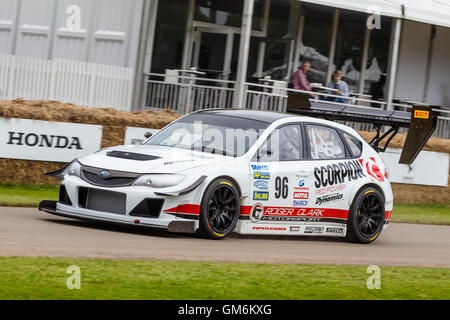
[(178, 225), (71, 205)]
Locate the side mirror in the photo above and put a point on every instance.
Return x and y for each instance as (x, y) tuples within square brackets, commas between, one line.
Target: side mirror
[(148, 135)]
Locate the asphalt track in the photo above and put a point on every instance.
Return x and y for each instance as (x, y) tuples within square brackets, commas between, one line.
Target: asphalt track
[(27, 232)]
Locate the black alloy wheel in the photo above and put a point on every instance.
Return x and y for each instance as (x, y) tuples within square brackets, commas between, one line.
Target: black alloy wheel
[(366, 216), (369, 215), (220, 209)]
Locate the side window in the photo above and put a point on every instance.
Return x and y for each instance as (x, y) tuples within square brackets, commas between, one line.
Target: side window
[(325, 143), (354, 144), (284, 144)]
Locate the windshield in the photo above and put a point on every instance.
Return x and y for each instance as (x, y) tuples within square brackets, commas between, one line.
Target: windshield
[(212, 133)]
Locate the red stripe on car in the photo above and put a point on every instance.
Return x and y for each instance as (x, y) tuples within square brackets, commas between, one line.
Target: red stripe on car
[(185, 209), (388, 215)]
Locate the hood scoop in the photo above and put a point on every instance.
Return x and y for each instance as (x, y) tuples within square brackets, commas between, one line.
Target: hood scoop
[(131, 156)]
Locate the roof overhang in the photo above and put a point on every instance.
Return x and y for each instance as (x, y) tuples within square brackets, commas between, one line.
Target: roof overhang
[(435, 12)]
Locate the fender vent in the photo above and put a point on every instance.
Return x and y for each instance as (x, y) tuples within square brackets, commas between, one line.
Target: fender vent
[(131, 156)]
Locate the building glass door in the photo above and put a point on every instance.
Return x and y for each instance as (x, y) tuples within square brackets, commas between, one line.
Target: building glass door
[(213, 52)]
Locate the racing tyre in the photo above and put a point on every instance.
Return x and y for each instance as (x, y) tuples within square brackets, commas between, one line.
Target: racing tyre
[(366, 216), (220, 210)]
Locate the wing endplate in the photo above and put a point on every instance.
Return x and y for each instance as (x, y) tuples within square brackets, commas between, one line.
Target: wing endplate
[(423, 124)]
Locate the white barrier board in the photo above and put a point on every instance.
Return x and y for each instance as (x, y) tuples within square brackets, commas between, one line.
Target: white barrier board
[(47, 141), (135, 136), (430, 168)]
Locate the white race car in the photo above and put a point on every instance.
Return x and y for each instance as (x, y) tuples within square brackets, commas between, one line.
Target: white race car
[(251, 172)]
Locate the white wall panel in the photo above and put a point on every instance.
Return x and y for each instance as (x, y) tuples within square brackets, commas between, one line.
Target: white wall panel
[(99, 31), (8, 14), (412, 61), (439, 86), (114, 31), (72, 29), (35, 28)]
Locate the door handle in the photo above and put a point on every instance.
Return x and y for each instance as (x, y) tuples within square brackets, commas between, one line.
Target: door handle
[(302, 174)]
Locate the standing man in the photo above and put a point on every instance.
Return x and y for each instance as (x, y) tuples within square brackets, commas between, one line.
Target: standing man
[(340, 86), (299, 79)]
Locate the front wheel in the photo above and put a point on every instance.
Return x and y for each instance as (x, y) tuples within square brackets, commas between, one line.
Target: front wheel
[(366, 216), (220, 210)]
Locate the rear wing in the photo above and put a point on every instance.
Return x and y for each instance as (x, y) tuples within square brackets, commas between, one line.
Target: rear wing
[(421, 122)]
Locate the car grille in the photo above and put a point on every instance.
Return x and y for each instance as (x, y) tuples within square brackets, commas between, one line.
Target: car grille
[(101, 200), (113, 179)]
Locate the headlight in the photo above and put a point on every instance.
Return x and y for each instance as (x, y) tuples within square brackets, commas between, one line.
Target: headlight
[(74, 169), (160, 180)]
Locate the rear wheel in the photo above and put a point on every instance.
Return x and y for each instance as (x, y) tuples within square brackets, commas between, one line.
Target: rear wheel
[(220, 209), (366, 216)]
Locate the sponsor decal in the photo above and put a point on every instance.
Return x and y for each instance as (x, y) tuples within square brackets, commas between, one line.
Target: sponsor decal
[(292, 212), (300, 203), (294, 228), (332, 189), (258, 167), (269, 229), (266, 213), (329, 198), (262, 185), (261, 175), (310, 229), (335, 230), (301, 186), (372, 168), (301, 214), (301, 195), (257, 213), (338, 173), (421, 114), (258, 195)]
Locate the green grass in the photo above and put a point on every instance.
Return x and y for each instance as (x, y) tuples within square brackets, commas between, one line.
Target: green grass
[(44, 278), (422, 213), (26, 195), (30, 196)]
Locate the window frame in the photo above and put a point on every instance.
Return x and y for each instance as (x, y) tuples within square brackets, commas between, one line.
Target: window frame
[(303, 155), (348, 146), (348, 154)]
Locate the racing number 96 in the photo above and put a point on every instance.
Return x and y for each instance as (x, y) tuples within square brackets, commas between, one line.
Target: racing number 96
[(281, 187)]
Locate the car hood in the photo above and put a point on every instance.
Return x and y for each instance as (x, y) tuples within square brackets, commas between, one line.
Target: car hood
[(150, 159)]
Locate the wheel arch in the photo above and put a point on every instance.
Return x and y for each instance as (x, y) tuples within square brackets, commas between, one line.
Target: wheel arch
[(234, 181), (368, 185)]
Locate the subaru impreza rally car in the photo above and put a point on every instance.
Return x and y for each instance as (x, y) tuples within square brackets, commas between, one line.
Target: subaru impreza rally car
[(251, 172)]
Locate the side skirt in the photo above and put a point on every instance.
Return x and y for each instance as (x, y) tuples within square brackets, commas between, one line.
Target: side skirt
[(294, 229)]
